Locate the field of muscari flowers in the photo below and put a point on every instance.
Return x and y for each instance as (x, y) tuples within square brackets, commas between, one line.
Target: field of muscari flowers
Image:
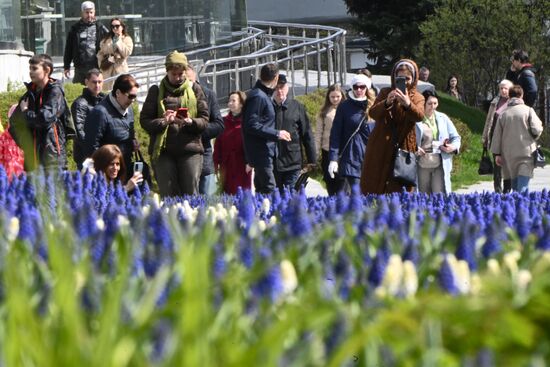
[(90, 276)]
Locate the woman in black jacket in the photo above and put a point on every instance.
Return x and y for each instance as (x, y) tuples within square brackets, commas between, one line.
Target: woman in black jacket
[(112, 120)]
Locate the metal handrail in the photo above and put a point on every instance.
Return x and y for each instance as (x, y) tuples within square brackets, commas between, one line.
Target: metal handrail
[(299, 47)]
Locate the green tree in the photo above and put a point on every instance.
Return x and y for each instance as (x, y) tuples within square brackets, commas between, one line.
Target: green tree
[(474, 40), (391, 27)]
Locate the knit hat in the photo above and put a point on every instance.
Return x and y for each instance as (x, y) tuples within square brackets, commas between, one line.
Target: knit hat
[(87, 5), (361, 79), (176, 58)]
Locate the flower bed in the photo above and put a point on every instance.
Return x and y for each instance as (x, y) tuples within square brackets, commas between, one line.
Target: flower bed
[(89, 274)]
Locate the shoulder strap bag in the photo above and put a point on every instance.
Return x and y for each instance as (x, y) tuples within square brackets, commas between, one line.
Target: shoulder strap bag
[(539, 160), (351, 137), (404, 163)]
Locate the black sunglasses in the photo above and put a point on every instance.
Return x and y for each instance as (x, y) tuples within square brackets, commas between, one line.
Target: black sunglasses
[(356, 87), (116, 25), (131, 96)]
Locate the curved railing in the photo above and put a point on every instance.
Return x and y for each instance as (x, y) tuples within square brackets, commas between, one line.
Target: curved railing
[(314, 54)]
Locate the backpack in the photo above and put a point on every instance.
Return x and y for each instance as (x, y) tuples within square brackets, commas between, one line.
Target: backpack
[(67, 121)]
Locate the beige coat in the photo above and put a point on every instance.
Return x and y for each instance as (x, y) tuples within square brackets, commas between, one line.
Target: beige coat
[(513, 140), (489, 120), (322, 130), (120, 51)]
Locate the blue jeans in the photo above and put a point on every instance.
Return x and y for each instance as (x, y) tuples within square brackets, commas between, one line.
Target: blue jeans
[(207, 185), (520, 183)]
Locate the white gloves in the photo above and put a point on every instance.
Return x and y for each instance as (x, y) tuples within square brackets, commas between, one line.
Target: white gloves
[(332, 168)]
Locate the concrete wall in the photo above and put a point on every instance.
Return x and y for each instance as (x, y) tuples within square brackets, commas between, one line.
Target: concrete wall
[(301, 11), (15, 67)]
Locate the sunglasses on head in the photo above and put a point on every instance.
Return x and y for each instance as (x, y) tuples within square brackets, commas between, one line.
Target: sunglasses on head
[(357, 87), (116, 25)]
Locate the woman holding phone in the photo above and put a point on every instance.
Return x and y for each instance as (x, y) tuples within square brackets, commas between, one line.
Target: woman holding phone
[(108, 160), (396, 113), (174, 114)]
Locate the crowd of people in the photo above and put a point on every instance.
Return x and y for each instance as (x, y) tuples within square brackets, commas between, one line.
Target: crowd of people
[(266, 137)]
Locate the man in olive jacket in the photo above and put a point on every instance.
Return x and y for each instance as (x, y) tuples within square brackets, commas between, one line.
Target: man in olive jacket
[(176, 147), (290, 115)]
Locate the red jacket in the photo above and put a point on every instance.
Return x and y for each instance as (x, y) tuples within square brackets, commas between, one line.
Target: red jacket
[(229, 156)]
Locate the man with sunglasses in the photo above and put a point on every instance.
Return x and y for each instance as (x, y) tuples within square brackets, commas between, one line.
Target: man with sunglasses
[(112, 121), (82, 43)]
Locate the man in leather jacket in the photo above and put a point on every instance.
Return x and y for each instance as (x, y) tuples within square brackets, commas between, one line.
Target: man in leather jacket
[(81, 107), (290, 115), (83, 43)]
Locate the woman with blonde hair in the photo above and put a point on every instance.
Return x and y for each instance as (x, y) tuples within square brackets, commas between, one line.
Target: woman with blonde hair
[(114, 51), (335, 95), (350, 132)]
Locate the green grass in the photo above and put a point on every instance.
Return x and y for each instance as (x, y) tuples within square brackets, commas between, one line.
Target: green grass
[(466, 163), (468, 120)]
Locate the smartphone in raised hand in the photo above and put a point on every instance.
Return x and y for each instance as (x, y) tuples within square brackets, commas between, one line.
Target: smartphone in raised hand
[(138, 167), (401, 84), (182, 113)]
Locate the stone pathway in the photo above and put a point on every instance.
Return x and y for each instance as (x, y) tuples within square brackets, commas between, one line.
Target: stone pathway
[(540, 181)]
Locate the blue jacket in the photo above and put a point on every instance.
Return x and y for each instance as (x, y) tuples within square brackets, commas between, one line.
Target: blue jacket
[(259, 133), (106, 125), (447, 130), (349, 115)]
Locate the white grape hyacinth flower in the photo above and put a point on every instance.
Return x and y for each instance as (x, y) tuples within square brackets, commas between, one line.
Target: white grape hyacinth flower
[(288, 275)]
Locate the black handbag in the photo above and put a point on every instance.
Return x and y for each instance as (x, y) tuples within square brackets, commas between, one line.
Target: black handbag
[(485, 164), (146, 171), (404, 167), (302, 180), (404, 163), (539, 160)]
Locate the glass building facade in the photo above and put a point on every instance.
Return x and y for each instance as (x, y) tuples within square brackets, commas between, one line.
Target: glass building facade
[(156, 26), (10, 24)]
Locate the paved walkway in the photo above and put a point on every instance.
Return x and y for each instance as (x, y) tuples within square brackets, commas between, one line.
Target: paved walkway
[(540, 181)]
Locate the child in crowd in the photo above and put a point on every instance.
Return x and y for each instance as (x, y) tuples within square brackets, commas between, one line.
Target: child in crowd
[(229, 158), (335, 95)]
